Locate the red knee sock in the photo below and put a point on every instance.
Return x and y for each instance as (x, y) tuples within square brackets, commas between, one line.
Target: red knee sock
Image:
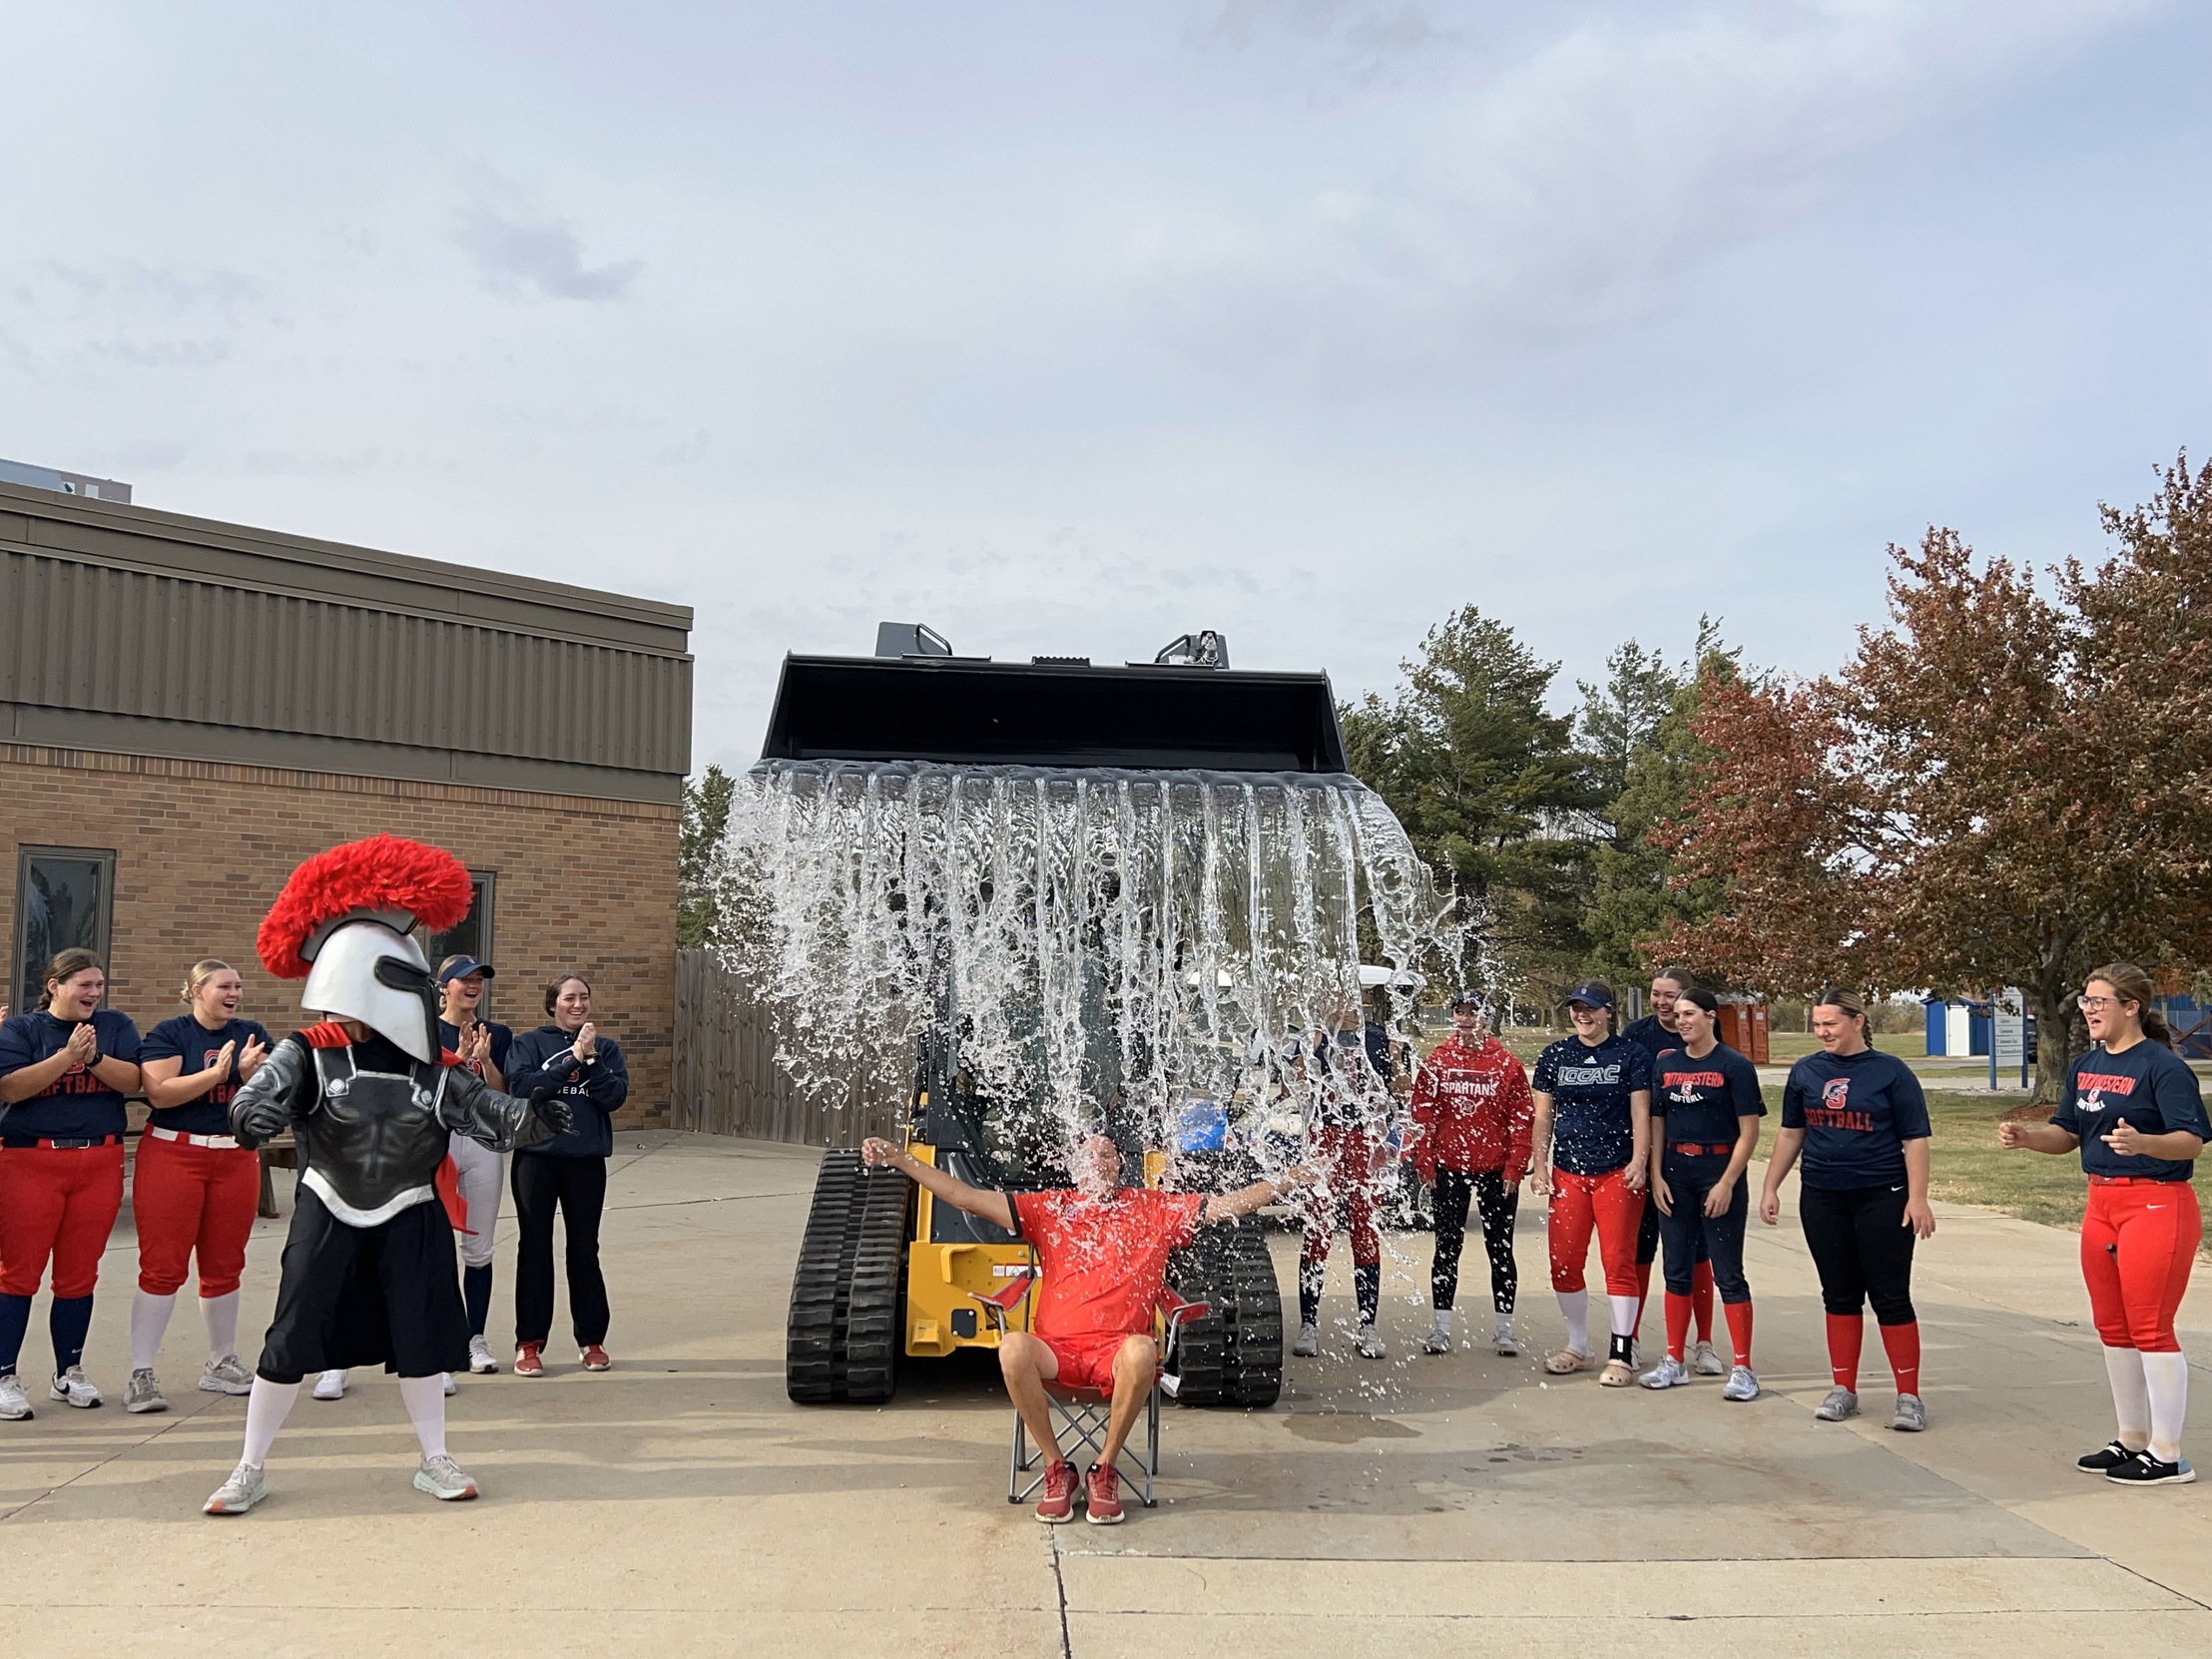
[(1643, 1295), (1701, 1297), (1903, 1344), (1844, 1332), (1739, 1330), (1678, 1323)]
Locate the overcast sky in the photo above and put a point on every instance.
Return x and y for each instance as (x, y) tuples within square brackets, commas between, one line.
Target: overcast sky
[(1067, 329)]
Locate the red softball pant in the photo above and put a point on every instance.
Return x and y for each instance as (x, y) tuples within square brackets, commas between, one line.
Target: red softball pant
[(58, 1205), (1577, 1203), (1343, 1157), (189, 1198), (2137, 1243)]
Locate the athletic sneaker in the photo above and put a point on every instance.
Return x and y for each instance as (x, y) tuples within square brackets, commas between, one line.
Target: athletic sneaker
[(226, 1377), (1369, 1344), (1436, 1342), (1308, 1343), (443, 1479), (330, 1386), (75, 1388), (1705, 1362), (1618, 1373), (1058, 1503), (451, 1388), (594, 1357), (241, 1493), (1669, 1372), (15, 1400), (1841, 1404), (529, 1360), (1912, 1416), (1505, 1342), (1742, 1384), (2142, 1470), (2104, 1459), (480, 1360), (1102, 1496), (143, 1393)]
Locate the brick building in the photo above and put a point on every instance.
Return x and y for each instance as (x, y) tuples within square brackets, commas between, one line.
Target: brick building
[(188, 709)]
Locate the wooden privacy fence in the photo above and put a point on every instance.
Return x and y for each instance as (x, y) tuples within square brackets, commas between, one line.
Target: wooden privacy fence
[(726, 1079)]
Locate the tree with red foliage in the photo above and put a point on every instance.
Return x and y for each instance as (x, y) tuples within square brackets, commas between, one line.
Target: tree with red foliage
[(2002, 787)]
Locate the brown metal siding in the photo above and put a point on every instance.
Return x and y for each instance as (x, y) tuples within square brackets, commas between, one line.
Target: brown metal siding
[(96, 637)]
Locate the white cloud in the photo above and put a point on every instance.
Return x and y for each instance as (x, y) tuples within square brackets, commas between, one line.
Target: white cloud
[(515, 249)]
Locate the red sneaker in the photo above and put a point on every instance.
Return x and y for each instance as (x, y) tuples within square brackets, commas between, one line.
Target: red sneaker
[(1058, 1504), (1102, 1496), (595, 1357), (528, 1360)]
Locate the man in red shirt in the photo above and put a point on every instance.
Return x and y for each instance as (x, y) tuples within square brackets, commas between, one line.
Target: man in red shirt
[(1102, 1260), (1471, 1114)]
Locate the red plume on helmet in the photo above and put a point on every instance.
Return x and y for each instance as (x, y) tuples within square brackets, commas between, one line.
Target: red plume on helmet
[(389, 878)]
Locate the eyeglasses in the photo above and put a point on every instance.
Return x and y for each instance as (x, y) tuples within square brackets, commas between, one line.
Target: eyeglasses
[(2097, 1004)]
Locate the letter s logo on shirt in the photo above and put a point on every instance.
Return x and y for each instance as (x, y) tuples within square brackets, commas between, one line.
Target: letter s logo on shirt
[(1835, 1093)]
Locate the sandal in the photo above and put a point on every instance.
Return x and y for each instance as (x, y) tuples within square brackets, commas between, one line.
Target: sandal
[(1565, 1363), (1617, 1374)]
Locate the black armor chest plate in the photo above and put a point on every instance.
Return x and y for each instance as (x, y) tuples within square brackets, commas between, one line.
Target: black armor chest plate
[(373, 1136)]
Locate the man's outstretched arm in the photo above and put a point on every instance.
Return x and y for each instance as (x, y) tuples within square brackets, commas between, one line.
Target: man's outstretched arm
[(993, 1207), (1244, 1200)]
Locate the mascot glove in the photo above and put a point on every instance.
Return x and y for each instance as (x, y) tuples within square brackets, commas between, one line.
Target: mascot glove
[(262, 1122), (553, 1112)]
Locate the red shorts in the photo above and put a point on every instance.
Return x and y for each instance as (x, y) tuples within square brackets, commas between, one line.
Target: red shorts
[(1580, 1202), (56, 1206), (1087, 1358), (188, 1198), (2138, 1245)]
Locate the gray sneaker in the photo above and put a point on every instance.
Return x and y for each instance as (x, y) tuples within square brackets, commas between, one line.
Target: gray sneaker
[(480, 1358), (1705, 1362), (1743, 1384), (226, 1377), (1912, 1416), (144, 1393), (1669, 1372), (74, 1386), (241, 1493), (443, 1479), (1839, 1404), (1369, 1343), (15, 1400), (1438, 1340), (1308, 1343)]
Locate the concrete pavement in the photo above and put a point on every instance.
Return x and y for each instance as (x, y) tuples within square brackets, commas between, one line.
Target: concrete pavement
[(1463, 1505)]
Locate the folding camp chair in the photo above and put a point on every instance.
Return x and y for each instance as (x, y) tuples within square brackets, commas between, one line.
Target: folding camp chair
[(1086, 1411)]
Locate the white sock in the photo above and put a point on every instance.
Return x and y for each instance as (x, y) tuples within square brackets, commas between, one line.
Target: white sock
[(1505, 1324), (221, 1314), (1444, 1321), (2130, 1396), (1624, 1315), (1574, 1306), (425, 1397), (148, 1324), (265, 1409), (2166, 1379)]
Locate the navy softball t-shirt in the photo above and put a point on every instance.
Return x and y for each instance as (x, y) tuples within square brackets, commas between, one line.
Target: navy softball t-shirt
[(2148, 1086), (502, 1040), (1592, 1132), (185, 1038), (1702, 1099), (75, 1106), (1856, 1111), (1650, 1034)]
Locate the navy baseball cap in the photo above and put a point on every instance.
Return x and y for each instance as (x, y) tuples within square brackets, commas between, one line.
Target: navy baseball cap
[(1467, 997), (1591, 995), (461, 967)]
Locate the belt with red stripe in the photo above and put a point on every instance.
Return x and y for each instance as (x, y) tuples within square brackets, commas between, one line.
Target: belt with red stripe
[(1691, 1149), (26, 1143)]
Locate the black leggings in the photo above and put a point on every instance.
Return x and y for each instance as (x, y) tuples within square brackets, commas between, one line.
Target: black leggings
[(1863, 1249), (579, 1186), (1692, 1236), (1497, 1204)]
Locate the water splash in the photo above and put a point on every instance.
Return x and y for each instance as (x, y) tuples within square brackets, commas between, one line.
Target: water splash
[(1091, 941)]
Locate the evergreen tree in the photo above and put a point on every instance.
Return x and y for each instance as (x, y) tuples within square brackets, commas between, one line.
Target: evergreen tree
[(706, 818)]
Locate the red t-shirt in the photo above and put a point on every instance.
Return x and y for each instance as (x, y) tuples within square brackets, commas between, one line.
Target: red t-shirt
[(1101, 1265)]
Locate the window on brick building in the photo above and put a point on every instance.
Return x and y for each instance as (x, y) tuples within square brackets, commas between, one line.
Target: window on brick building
[(64, 901), (471, 936)]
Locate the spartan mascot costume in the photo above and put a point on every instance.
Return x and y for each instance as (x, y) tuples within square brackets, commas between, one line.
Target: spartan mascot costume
[(370, 1275)]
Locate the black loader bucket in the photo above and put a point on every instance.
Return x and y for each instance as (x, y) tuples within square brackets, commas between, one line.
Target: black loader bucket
[(973, 711)]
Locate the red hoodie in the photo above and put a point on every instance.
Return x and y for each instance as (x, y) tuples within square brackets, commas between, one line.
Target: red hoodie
[(1472, 1110)]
